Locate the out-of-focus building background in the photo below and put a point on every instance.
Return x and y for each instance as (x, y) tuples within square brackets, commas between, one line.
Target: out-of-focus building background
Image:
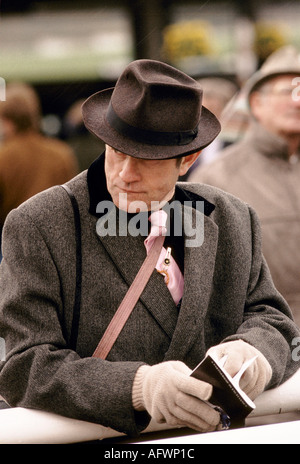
[(69, 49)]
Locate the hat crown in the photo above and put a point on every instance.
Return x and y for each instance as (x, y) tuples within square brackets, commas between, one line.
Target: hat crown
[(286, 59), (157, 97), (154, 112)]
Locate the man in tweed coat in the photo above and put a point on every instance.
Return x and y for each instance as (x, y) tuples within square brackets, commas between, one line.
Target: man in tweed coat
[(154, 126)]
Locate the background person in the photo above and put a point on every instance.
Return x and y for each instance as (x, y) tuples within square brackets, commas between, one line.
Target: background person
[(29, 161), (217, 93), (153, 125), (263, 169), (85, 145)]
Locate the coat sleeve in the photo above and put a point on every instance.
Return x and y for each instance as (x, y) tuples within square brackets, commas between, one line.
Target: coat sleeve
[(40, 371), (268, 322)]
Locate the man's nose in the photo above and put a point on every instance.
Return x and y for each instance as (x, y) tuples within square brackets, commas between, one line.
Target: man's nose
[(130, 170)]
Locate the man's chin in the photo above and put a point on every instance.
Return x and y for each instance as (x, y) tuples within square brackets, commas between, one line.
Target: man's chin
[(133, 204), (132, 207)]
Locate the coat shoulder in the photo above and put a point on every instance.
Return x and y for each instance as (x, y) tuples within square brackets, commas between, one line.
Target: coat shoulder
[(233, 216), (215, 195)]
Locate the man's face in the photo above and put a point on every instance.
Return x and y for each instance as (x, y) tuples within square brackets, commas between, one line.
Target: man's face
[(276, 108), (139, 180)]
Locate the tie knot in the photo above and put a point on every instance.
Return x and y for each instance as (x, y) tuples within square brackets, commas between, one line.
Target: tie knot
[(158, 221)]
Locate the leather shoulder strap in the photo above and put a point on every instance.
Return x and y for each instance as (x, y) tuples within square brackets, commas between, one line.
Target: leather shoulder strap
[(129, 301)]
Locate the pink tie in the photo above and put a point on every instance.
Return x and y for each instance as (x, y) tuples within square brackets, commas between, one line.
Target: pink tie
[(166, 264)]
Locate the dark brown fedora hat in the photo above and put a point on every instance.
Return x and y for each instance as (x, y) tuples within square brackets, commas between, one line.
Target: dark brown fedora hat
[(154, 112)]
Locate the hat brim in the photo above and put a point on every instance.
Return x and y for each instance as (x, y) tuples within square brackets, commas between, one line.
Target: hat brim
[(94, 111), (259, 79)]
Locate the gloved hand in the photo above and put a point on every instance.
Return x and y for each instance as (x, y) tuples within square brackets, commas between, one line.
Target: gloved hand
[(259, 373), (170, 395)]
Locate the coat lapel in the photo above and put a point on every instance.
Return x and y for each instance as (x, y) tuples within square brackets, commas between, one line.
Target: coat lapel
[(199, 269), (128, 253)]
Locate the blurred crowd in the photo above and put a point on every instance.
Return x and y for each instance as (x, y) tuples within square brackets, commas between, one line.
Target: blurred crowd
[(262, 167), (32, 161), (256, 156)]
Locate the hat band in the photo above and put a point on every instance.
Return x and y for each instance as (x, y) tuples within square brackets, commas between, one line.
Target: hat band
[(149, 137)]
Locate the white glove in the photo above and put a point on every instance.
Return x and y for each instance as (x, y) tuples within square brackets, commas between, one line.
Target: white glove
[(171, 396), (259, 373)]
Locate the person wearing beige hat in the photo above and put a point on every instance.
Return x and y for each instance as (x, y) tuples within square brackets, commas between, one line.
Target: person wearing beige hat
[(208, 288), (263, 168)]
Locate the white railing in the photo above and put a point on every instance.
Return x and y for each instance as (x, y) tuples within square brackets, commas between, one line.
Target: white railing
[(283, 399), (19, 425)]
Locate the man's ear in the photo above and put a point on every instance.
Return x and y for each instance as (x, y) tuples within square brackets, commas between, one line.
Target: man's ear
[(187, 161), (255, 102)]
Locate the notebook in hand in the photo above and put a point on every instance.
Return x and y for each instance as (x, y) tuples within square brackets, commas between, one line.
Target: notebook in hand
[(227, 393)]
